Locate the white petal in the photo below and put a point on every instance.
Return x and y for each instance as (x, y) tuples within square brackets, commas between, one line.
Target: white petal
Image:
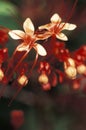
[(17, 34), (22, 47), (68, 26), (46, 26), (62, 37), (43, 36), (41, 50), (55, 18), (28, 26)]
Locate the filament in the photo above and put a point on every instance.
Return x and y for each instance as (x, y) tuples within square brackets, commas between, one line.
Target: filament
[(15, 95), (69, 16), (23, 57), (35, 61), (3, 89)]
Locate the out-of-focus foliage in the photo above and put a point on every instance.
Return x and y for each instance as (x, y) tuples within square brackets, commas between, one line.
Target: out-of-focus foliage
[(8, 13), (6, 8)]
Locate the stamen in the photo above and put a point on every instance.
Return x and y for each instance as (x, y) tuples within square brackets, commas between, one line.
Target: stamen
[(19, 62), (9, 75), (70, 15), (35, 61), (24, 79)]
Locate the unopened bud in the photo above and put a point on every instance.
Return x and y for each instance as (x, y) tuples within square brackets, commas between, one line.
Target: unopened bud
[(23, 80), (81, 69), (1, 74), (43, 79), (71, 72)]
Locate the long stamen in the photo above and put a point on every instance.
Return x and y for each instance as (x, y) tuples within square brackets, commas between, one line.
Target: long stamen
[(72, 11), (63, 5), (22, 58), (70, 15), (35, 61), (15, 95)]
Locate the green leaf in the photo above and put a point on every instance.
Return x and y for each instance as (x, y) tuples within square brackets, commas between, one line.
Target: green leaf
[(6, 8)]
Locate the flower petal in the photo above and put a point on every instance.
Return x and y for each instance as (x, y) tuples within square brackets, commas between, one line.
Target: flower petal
[(17, 34), (40, 49), (43, 36), (55, 18), (46, 26), (22, 47), (28, 26), (68, 26), (62, 37)]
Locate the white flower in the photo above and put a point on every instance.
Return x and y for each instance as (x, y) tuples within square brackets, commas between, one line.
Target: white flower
[(56, 27), (28, 37)]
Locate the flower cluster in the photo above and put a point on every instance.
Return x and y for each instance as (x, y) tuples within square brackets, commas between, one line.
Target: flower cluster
[(58, 64)]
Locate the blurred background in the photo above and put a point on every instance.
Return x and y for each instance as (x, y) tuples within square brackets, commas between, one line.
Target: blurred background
[(61, 108)]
